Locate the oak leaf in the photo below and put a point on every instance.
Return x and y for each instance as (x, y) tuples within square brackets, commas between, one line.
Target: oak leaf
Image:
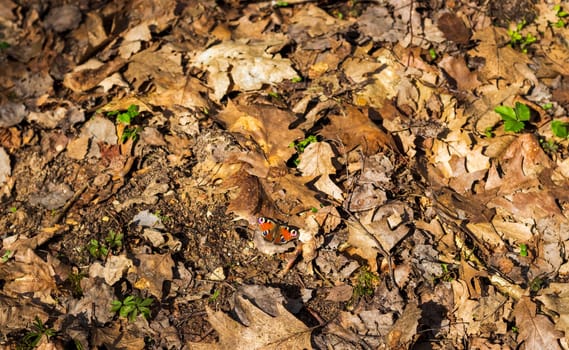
[(355, 128)]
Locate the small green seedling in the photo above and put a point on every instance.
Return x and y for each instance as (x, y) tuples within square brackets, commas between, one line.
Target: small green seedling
[(274, 94), (515, 329), (97, 249), (281, 4), (561, 14), (300, 146), (488, 132), (514, 118), (126, 118), (433, 54), (518, 40), (6, 256), (114, 240), (13, 209), (33, 337), (560, 129), (132, 306), (523, 250), (549, 146), (296, 79), (547, 106), (214, 296), (164, 218), (4, 45), (535, 284), (365, 283)]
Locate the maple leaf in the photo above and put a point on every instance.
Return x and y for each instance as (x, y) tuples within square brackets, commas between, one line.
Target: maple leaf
[(264, 332)]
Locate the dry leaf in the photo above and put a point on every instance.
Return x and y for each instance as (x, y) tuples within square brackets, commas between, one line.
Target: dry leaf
[(405, 328), (535, 331), (248, 65), (317, 160), (153, 271), (356, 129), (28, 273), (264, 332)]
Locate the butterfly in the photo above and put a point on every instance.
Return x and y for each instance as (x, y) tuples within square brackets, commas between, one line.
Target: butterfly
[(276, 233)]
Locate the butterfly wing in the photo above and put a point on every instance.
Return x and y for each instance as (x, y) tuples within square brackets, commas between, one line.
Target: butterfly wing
[(286, 234), (269, 229)]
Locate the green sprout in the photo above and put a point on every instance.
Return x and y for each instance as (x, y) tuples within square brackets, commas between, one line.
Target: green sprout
[(33, 337), (126, 118), (114, 240), (274, 94), (523, 250), (13, 209), (96, 249), (164, 218), (300, 146), (549, 146), (365, 283), (131, 307), (547, 106), (296, 79), (518, 40), (561, 14), (281, 4), (514, 118), (4, 45), (560, 129), (214, 296), (433, 54), (488, 132), (535, 284), (74, 283), (6, 256)]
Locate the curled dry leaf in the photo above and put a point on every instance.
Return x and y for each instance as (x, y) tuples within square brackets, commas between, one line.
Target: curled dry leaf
[(249, 66)]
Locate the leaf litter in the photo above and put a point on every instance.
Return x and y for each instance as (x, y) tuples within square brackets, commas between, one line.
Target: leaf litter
[(424, 217)]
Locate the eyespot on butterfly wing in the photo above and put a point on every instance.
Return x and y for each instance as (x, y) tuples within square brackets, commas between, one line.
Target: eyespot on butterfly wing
[(276, 233), (268, 228), (287, 234)]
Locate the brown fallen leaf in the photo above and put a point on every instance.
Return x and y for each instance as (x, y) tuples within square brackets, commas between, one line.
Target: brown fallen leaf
[(153, 271), (264, 331), (535, 331), (555, 298), (28, 273), (405, 328), (268, 126), (355, 128)]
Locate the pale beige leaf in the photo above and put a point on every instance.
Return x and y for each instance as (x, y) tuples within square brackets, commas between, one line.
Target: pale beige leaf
[(317, 160), (249, 65), (326, 185)]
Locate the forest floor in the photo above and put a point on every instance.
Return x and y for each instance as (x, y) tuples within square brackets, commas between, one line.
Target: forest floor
[(297, 174)]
